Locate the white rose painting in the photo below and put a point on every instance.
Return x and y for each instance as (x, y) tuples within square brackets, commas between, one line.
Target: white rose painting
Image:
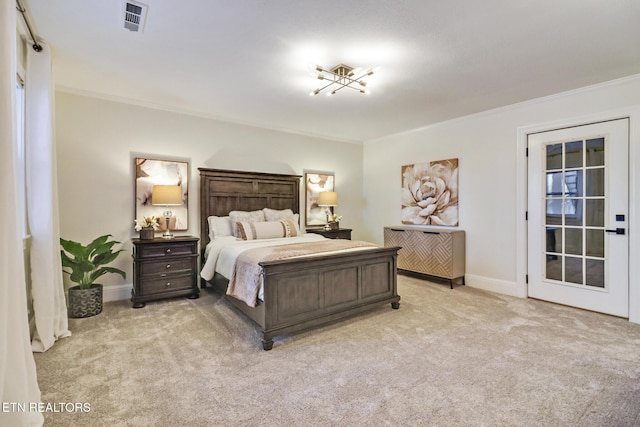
[(430, 193)]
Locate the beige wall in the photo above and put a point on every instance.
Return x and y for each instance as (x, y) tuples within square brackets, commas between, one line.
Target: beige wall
[(97, 140), (486, 146)]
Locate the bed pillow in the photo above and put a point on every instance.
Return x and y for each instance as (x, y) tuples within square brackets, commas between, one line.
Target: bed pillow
[(268, 229), (244, 216), (219, 226), (277, 215)]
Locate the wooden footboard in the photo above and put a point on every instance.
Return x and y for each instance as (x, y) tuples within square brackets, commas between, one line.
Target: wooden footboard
[(304, 293)]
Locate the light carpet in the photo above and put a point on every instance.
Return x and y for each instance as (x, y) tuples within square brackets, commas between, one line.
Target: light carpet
[(460, 357)]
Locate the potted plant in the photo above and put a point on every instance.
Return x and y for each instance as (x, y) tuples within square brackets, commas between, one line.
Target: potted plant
[(85, 264), (334, 221), (146, 226)]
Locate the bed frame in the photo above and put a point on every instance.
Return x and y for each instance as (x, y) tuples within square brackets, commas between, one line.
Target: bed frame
[(298, 293)]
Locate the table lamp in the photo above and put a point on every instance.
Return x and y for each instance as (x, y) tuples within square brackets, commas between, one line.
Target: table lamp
[(327, 199), (167, 195)]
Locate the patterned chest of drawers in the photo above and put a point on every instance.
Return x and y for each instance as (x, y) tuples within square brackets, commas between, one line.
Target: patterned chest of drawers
[(430, 251), (164, 268)]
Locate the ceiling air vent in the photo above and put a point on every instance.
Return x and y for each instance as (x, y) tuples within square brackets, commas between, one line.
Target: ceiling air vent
[(134, 16)]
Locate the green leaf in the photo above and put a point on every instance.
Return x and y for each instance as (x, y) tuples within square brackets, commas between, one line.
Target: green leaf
[(105, 270), (82, 263)]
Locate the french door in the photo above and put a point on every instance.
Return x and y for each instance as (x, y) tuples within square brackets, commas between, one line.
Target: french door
[(578, 210)]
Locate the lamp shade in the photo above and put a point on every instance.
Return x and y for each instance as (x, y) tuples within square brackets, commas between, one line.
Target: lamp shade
[(328, 198), (166, 195)]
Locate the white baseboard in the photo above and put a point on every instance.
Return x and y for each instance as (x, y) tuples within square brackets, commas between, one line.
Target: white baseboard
[(116, 293), (494, 285)]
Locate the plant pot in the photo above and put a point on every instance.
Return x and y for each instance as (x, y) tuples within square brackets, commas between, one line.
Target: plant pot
[(147, 233), (334, 225), (85, 302)]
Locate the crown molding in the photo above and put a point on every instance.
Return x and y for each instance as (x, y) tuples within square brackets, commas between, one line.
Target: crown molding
[(194, 113)]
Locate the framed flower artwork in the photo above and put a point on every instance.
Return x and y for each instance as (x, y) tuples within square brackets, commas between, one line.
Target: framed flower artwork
[(430, 193), (151, 172), (314, 184)]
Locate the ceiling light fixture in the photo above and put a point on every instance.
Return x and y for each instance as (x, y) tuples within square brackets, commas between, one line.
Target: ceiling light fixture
[(339, 77)]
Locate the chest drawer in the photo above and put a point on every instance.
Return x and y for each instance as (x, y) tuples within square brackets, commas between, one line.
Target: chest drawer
[(156, 285), (167, 266), (155, 251)]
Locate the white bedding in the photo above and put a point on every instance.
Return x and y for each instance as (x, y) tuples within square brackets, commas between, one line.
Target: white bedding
[(221, 253)]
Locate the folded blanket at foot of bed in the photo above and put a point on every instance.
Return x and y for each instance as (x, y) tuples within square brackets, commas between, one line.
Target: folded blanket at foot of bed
[(244, 283)]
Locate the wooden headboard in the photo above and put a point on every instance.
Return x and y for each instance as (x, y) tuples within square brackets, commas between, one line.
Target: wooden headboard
[(223, 191)]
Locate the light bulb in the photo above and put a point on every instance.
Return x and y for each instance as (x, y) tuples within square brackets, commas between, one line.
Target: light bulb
[(314, 67)]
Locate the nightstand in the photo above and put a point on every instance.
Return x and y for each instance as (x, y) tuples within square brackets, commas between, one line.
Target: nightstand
[(164, 268), (339, 233)]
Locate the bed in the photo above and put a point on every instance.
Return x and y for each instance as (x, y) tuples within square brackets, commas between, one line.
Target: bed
[(297, 293)]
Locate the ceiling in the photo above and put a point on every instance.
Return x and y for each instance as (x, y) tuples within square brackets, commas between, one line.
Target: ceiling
[(245, 61)]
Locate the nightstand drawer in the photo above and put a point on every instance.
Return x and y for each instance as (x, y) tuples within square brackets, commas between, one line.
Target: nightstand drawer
[(166, 266), (152, 286), (154, 251)]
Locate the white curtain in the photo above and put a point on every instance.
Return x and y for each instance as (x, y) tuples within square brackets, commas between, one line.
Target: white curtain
[(18, 382), (47, 288)]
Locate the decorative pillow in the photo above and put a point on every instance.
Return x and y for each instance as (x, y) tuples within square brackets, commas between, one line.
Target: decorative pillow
[(277, 215), (268, 229), (293, 227), (219, 226), (244, 216)]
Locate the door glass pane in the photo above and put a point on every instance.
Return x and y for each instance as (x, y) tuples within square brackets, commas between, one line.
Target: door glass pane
[(554, 212), (554, 156), (594, 214), (595, 152), (595, 242), (573, 212), (573, 183), (573, 270), (595, 182), (573, 241), (555, 187), (554, 267), (554, 240), (595, 273), (573, 154)]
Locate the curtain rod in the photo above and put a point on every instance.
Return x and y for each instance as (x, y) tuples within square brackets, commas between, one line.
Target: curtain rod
[(36, 46)]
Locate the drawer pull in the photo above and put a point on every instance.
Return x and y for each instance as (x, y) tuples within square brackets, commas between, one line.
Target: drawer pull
[(163, 275), (168, 266), (168, 250), (394, 229), (430, 232), (168, 283)]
